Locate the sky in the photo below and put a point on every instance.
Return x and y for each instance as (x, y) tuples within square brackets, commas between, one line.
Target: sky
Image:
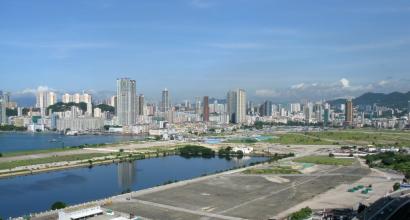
[(282, 50)]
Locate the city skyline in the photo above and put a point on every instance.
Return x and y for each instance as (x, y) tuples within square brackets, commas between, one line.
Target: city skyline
[(277, 50)]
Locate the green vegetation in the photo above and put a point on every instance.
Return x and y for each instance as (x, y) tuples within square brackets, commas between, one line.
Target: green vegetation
[(62, 107), (11, 128), (74, 157), (228, 152), (273, 170), (325, 160), (390, 160), (243, 141), (363, 137), (105, 108), (298, 139), (304, 213), (11, 112), (396, 186), (1, 154), (196, 151), (58, 205)]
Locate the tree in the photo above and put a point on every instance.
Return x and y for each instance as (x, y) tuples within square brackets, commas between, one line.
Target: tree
[(106, 108), (396, 186), (11, 112), (1, 154), (302, 214), (58, 205)]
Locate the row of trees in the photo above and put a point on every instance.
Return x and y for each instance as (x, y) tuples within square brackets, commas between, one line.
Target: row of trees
[(11, 128), (196, 151), (395, 161), (62, 107)]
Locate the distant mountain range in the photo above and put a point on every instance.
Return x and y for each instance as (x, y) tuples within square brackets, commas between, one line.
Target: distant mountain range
[(392, 100)]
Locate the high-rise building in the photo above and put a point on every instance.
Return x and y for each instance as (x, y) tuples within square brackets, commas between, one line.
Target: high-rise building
[(3, 116), (307, 111), (76, 98), (45, 99), (51, 98), (266, 109), (66, 98), (141, 104), (86, 98), (236, 106), (126, 93), (165, 104), (97, 113), (197, 105), (349, 113), (113, 102), (206, 109), (326, 116)]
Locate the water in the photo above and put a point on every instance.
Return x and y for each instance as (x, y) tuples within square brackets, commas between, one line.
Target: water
[(22, 141), (34, 193)]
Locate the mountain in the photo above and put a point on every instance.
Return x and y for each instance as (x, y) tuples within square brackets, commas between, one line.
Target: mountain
[(24, 99), (392, 100)]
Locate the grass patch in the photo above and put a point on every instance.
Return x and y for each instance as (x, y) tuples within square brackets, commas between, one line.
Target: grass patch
[(325, 160), (272, 170), (75, 157), (298, 139), (396, 161), (30, 152), (400, 139), (243, 141)]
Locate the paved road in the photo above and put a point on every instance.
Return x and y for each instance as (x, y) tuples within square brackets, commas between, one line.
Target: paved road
[(174, 208), (279, 191)]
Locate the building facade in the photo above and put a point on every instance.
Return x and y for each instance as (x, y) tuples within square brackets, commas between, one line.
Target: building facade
[(165, 104), (206, 109), (236, 106), (126, 98)]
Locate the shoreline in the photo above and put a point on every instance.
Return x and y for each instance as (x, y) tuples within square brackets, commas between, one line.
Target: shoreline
[(85, 163), (78, 164)]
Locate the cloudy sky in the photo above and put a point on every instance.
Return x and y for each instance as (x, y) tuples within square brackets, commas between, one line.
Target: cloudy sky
[(275, 49)]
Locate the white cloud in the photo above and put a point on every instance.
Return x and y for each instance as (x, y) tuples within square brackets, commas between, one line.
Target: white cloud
[(35, 90), (383, 82), (345, 83), (298, 86)]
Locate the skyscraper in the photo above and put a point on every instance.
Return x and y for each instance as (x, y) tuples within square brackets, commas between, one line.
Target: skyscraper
[(165, 104), (349, 113), (126, 97), (206, 109), (45, 99), (266, 109), (3, 116), (141, 104), (197, 105), (236, 106), (66, 98)]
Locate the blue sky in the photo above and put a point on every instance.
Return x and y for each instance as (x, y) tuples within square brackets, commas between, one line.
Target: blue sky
[(275, 49)]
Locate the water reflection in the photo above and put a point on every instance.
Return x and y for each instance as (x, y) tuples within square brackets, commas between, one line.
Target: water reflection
[(126, 175)]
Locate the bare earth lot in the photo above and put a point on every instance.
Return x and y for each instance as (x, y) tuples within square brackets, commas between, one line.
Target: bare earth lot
[(238, 196)]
